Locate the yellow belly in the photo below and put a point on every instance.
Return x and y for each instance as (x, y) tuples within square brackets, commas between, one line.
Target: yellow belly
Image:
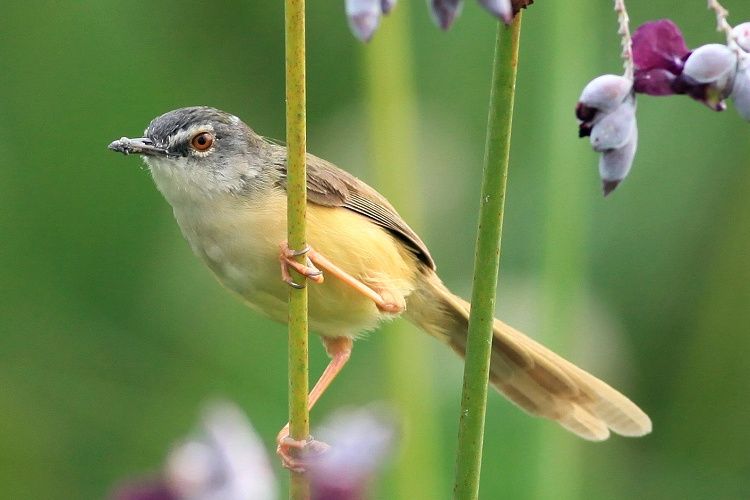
[(240, 243)]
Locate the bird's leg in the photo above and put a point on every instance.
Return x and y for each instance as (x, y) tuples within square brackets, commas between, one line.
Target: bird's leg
[(367, 290), (315, 258), (339, 349), (287, 260), (322, 262)]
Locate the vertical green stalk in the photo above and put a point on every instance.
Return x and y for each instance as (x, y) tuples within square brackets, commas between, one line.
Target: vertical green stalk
[(486, 262), (299, 419), (394, 160)]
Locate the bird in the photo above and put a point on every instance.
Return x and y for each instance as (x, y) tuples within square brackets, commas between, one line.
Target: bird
[(227, 188)]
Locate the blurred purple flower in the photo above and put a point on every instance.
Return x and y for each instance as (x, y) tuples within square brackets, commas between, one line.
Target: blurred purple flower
[(144, 489), (444, 12), (360, 441), (225, 460), (364, 15), (665, 66)]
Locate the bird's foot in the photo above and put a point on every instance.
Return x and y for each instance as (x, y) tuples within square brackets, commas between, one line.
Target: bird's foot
[(297, 455), (287, 258)]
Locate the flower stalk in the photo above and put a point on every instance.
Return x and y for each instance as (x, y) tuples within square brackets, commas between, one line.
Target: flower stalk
[(623, 21), (299, 420), (487, 261), (722, 25)]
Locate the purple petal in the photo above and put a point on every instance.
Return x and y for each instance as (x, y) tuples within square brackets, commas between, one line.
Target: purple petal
[(224, 459), (360, 441), (364, 17), (659, 44), (147, 489), (444, 12), (387, 6), (585, 113), (655, 82), (584, 129)]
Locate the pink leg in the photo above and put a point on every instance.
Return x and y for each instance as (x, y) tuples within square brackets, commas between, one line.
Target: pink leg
[(312, 272), (339, 349)]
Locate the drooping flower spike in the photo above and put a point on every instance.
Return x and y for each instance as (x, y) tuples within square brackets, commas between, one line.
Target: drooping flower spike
[(364, 15), (662, 65), (606, 111)]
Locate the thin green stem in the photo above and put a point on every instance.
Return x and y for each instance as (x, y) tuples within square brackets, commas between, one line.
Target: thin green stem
[(299, 419), (486, 263)]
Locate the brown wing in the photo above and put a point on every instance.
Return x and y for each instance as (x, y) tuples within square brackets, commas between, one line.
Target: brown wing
[(329, 186)]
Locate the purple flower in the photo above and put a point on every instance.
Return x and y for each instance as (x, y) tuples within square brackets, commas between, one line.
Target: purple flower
[(364, 15), (665, 66), (224, 460), (659, 54), (360, 441)]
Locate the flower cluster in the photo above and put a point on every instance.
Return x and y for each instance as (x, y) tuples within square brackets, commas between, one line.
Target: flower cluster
[(659, 63), (225, 460), (364, 15), (606, 110), (709, 74)]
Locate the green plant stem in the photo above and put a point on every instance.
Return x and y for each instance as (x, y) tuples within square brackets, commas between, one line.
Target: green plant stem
[(299, 419), (394, 161), (486, 262)]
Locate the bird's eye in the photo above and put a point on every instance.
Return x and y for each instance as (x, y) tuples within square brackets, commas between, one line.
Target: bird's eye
[(202, 141)]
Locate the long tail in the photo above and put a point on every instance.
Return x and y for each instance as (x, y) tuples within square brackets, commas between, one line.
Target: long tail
[(527, 373)]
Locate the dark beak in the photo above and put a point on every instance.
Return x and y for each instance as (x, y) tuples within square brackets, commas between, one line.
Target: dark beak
[(141, 146)]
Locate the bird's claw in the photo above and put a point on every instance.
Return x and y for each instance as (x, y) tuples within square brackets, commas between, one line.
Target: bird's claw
[(287, 259), (296, 455)]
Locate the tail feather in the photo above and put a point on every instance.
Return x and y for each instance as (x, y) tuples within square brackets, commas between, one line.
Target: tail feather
[(530, 375)]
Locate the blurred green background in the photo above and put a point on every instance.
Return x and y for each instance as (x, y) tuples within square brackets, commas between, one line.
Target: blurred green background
[(112, 334)]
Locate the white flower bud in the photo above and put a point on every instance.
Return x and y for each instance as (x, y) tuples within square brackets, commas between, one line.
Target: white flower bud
[(614, 129), (712, 63), (741, 92), (741, 34), (614, 164), (606, 92)]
